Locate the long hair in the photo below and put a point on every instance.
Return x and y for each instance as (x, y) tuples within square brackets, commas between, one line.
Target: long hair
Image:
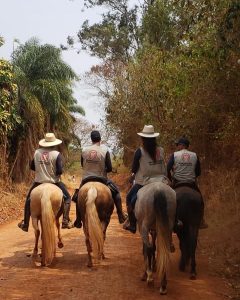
[(150, 146)]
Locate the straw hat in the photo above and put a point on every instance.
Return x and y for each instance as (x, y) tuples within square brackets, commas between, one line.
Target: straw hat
[(148, 132), (50, 140)]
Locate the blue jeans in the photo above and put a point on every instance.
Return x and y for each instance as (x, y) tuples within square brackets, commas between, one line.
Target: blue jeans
[(132, 195)]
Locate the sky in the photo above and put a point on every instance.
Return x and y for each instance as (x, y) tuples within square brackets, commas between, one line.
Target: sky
[(51, 21)]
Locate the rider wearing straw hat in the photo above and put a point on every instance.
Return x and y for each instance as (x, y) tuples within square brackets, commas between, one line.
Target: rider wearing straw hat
[(47, 164), (148, 162)]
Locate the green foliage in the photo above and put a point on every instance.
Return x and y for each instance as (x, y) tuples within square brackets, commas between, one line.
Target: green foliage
[(44, 102), (115, 37), (8, 99), (183, 78)]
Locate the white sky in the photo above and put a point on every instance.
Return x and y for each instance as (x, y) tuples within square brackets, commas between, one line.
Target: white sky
[(51, 21)]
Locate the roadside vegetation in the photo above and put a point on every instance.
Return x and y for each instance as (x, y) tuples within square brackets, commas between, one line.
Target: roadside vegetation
[(173, 64)]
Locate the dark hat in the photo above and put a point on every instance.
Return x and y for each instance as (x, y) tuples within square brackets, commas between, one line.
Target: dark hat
[(95, 136), (183, 141)]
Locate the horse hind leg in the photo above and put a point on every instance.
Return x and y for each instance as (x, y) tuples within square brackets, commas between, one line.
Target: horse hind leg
[(154, 263), (183, 249), (60, 242), (163, 286), (89, 250), (104, 229), (149, 265), (193, 246), (37, 234)]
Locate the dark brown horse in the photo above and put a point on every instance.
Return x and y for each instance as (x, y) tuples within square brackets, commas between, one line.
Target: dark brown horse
[(190, 212), (96, 206)]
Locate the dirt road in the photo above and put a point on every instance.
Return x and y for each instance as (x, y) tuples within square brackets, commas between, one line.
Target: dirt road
[(118, 277)]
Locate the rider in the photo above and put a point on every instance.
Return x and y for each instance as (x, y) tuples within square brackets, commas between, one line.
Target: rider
[(184, 167), (96, 163), (47, 164), (148, 162)]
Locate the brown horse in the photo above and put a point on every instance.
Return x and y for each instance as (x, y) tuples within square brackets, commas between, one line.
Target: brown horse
[(96, 206), (46, 206)]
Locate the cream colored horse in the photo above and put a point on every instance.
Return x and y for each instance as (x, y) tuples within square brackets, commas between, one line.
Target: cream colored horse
[(96, 206), (46, 203)]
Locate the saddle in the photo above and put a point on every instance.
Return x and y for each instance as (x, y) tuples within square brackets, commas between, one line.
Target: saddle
[(192, 185), (103, 180)]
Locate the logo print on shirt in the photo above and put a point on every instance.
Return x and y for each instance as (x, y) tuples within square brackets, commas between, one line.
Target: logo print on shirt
[(185, 157), (93, 155), (45, 157)]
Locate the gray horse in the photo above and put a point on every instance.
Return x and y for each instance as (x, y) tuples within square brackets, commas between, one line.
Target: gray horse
[(155, 212)]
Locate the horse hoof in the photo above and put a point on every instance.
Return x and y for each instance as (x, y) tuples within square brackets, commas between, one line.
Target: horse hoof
[(89, 264), (150, 282), (181, 267), (60, 245), (144, 277), (193, 276), (163, 291), (172, 248)]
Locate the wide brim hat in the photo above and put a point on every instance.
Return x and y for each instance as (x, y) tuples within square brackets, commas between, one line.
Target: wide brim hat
[(50, 140), (148, 132)]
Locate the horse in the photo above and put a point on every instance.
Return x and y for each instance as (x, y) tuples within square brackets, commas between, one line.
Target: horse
[(190, 212), (155, 213), (46, 206), (96, 206)]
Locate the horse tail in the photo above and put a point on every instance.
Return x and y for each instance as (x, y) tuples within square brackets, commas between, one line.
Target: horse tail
[(48, 229), (93, 223), (163, 233)]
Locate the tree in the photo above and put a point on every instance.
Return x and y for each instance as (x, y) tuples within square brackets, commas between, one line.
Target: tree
[(9, 117), (115, 37), (45, 100)]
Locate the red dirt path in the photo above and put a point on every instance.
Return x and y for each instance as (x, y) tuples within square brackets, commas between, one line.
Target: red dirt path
[(117, 277)]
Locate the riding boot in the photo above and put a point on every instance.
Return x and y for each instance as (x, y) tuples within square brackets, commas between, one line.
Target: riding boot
[(24, 224), (132, 227), (78, 221), (118, 203), (66, 223)]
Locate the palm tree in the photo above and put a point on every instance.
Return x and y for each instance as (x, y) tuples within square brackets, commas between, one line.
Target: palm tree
[(46, 99)]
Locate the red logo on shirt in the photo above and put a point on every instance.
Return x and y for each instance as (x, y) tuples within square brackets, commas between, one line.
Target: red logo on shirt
[(93, 155), (45, 157), (185, 157)]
